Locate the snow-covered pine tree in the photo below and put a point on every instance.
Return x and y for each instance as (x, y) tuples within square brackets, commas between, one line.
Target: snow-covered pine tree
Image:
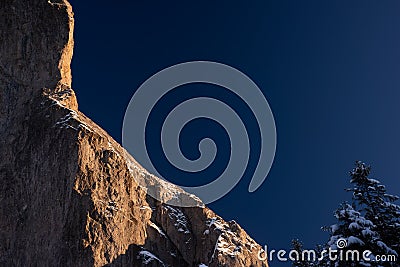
[(370, 197), (351, 232), (371, 222)]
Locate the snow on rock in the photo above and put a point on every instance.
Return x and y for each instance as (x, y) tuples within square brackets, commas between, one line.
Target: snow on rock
[(149, 257), (230, 241), (158, 229), (84, 126), (64, 121), (218, 223), (227, 248), (73, 121), (180, 221), (160, 189)]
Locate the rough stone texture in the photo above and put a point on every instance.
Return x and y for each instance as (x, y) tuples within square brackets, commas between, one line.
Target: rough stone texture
[(68, 191)]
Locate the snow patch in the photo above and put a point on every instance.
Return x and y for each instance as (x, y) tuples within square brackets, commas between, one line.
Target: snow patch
[(217, 223), (180, 221), (148, 257), (64, 121), (160, 189), (158, 229), (354, 240), (226, 248)]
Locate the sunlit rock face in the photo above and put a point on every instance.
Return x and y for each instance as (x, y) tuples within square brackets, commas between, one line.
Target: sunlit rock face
[(69, 194)]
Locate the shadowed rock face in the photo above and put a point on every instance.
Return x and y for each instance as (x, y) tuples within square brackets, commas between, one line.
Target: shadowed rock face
[(69, 195)]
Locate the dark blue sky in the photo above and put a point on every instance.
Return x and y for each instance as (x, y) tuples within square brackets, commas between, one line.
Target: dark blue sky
[(329, 69)]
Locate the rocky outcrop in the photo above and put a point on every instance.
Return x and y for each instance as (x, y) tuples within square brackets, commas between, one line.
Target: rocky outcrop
[(69, 194)]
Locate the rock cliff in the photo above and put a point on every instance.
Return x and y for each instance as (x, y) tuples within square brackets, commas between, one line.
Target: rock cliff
[(68, 194)]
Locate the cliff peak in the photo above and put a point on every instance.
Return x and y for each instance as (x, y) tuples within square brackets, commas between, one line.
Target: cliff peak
[(36, 47), (70, 196)]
